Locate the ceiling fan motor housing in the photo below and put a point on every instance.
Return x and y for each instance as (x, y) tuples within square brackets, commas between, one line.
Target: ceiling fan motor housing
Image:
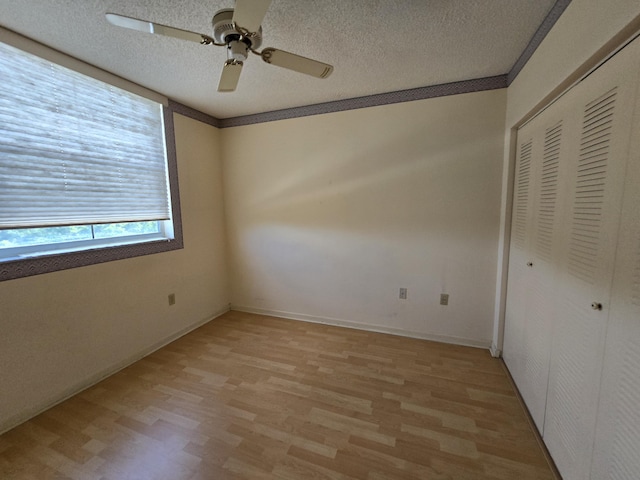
[(238, 45)]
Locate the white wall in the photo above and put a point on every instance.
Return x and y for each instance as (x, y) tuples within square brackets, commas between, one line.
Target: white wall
[(62, 331), (584, 28), (328, 216)]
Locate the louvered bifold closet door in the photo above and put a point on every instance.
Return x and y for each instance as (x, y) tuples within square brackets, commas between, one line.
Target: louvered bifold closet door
[(522, 226), (605, 101), (534, 247), (545, 254), (617, 447)]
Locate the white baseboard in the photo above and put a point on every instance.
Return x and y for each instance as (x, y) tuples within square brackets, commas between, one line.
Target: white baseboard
[(364, 326), (29, 413), (495, 351)]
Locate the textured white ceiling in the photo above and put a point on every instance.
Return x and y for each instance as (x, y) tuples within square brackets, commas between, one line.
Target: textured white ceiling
[(376, 46)]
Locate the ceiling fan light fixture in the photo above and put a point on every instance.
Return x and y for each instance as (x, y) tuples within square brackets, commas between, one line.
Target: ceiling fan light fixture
[(237, 50)]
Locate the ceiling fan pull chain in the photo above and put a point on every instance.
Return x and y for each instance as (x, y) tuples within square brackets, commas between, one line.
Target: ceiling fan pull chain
[(243, 31)]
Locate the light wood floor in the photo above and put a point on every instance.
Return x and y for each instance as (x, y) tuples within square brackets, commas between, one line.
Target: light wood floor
[(256, 397)]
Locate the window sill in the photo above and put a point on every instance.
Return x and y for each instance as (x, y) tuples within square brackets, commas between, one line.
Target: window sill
[(47, 263)]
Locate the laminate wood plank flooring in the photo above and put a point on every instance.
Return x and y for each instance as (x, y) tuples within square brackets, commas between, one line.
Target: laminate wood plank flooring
[(256, 397)]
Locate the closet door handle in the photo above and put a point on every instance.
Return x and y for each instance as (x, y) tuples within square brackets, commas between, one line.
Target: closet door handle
[(529, 264), (596, 306)]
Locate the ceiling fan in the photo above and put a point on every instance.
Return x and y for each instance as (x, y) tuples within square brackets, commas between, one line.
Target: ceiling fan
[(240, 32)]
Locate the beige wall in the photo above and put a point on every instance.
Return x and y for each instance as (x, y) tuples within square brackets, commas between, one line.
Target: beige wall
[(584, 28), (63, 331), (328, 216)]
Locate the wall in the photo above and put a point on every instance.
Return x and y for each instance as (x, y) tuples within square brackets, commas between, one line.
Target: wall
[(329, 215), (583, 29), (64, 331)]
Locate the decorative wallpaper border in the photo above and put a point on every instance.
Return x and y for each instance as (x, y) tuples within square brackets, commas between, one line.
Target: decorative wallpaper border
[(27, 267), (421, 93), (550, 20), (177, 107)]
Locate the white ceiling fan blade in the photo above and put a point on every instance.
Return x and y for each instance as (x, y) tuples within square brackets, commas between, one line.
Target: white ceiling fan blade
[(296, 63), (150, 27), (230, 76), (250, 13)]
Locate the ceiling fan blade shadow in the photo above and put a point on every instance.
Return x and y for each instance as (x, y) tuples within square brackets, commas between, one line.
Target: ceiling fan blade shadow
[(230, 76), (250, 13), (296, 63), (150, 27)]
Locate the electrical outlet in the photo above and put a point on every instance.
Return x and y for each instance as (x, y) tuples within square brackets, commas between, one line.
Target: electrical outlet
[(172, 299), (403, 293), (444, 299)]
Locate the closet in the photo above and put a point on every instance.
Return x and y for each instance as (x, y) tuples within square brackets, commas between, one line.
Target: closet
[(572, 329)]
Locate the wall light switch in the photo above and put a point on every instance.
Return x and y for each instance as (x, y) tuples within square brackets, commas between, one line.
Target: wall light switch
[(403, 294), (444, 299)]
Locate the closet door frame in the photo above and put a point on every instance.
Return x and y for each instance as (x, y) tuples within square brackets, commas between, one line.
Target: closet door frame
[(610, 48), (583, 464)]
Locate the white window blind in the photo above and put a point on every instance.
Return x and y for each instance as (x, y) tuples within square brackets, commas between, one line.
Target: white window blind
[(74, 150)]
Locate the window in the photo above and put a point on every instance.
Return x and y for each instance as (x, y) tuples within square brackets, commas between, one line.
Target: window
[(87, 170)]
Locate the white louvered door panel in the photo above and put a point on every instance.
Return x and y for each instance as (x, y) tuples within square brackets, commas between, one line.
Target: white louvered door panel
[(534, 249), (545, 250), (617, 447), (605, 101), (516, 309), (548, 190)]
